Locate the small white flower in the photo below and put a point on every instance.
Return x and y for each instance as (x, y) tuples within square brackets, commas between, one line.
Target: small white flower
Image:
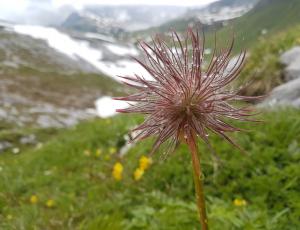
[(39, 145), (47, 172), (16, 150)]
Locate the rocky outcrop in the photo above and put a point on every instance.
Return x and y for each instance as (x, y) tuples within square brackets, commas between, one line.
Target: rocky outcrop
[(287, 94), (291, 59)]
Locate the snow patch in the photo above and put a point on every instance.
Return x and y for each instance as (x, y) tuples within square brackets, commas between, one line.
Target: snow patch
[(124, 68), (106, 106), (122, 50), (99, 37), (61, 42)]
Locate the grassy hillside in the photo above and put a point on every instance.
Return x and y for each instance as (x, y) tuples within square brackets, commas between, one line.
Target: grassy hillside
[(43, 87), (68, 183), (30, 97), (265, 19), (263, 68), (268, 16), (32, 69), (78, 90), (180, 25)]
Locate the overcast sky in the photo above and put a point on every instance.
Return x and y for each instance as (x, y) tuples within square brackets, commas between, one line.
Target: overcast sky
[(80, 3), (29, 11)]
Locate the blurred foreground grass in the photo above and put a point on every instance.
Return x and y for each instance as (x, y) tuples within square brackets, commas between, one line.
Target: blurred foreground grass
[(68, 183)]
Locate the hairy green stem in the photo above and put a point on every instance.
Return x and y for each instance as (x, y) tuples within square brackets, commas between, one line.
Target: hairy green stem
[(198, 177)]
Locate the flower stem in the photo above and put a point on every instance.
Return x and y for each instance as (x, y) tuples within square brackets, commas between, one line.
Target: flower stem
[(198, 177)]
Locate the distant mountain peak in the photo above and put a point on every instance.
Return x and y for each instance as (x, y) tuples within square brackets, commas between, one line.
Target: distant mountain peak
[(222, 10), (109, 19)]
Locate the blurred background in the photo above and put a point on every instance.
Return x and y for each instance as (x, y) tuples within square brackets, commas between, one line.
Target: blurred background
[(65, 161)]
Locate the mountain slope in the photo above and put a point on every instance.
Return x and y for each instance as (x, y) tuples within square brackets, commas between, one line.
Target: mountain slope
[(210, 17), (265, 19), (90, 23), (221, 10), (117, 19), (263, 68), (42, 86), (21, 50)]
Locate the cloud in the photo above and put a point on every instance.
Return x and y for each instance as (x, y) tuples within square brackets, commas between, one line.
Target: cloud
[(41, 12), (12, 8), (45, 12), (82, 3)]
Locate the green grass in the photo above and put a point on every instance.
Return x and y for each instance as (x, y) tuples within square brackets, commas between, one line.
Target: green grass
[(13, 135), (272, 15), (263, 69), (86, 195), (76, 90)]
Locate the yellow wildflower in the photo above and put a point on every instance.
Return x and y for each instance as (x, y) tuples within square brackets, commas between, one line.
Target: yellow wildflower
[(145, 162), (33, 199), (98, 153), (117, 171), (239, 202), (87, 152), (9, 217), (50, 203), (138, 173), (112, 150)]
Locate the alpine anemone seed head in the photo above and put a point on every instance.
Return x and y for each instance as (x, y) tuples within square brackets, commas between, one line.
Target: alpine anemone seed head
[(188, 95)]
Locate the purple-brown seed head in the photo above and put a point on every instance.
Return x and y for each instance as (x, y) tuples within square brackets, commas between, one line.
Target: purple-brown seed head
[(187, 97)]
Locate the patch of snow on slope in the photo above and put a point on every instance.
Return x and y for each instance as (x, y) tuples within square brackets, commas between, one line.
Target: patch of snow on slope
[(210, 15), (106, 106), (99, 37), (124, 68), (122, 50), (61, 42)]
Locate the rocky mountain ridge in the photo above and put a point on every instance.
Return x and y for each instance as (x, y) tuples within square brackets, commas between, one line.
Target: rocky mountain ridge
[(222, 10), (116, 20)]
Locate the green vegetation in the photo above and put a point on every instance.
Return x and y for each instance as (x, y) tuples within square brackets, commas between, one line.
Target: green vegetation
[(59, 88), (266, 19), (179, 25), (9, 133), (64, 180), (268, 16), (263, 69), (68, 183), (35, 71)]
